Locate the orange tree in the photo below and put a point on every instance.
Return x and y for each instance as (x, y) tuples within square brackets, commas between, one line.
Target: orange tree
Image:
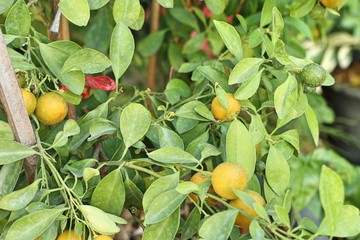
[(136, 150)]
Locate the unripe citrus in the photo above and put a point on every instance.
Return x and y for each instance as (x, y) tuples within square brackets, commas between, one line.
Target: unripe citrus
[(313, 75), (330, 3), (102, 237), (318, 12), (228, 176), (51, 108), (221, 113), (29, 100), (242, 220), (199, 178), (69, 235)]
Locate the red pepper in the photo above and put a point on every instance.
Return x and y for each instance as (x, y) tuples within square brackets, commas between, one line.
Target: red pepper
[(101, 82)]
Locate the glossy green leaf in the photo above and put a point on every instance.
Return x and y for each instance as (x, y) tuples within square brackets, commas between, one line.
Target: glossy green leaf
[(51, 232), (266, 12), (96, 4), (151, 43), (77, 167), (166, 3), (282, 215), (77, 12), (298, 110), (230, 37), (216, 6), (11, 151), (205, 112), (218, 226), (175, 89), (256, 232), (87, 60), (257, 129), (329, 80), (188, 111), (32, 225), (5, 130), (4, 5), (244, 70), (18, 20), (133, 196), (292, 136), (187, 187), (313, 124), (172, 155), (126, 11), (285, 96), (278, 25), (109, 194), (261, 211), (280, 53), (135, 121), (277, 171), (98, 220), (191, 225), (70, 128), (122, 47), (89, 173), (164, 230), (249, 87), (159, 186), (101, 127), (214, 75), (169, 138), (301, 9), (163, 206), (20, 198), (9, 175), (208, 150), (240, 147), (300, 25), (185, 17)]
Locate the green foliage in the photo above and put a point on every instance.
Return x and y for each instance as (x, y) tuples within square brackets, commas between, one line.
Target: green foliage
[(136, 149)]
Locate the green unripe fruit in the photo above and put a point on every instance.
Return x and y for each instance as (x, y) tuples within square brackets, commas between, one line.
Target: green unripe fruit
[(318, 12), (313, 75)]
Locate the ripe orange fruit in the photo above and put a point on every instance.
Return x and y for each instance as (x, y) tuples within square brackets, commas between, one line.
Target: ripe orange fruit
[(199, 178), (51, 108), (221, 113), (102, 237), (69, 235), (228, 176), (29, 100), (244, 221), (330, 3)]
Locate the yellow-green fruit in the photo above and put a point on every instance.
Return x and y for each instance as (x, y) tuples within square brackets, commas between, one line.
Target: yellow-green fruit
[(102, 237), (51, 108), (29, 100), (244, 220), (313, 75), (69, 235), (221, 113), (228, 176)]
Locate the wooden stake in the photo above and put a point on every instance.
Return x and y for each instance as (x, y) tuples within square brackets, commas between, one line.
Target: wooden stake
[(11, 98)]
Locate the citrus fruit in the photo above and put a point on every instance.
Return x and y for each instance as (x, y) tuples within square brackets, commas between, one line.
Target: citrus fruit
[(330, 3), (221, 113), (318, 12), (244, 220), (21, 80), (51, 108), (199, 178), (228, 176), (29, 100), (313, 75), (102, 237), (69, 235)]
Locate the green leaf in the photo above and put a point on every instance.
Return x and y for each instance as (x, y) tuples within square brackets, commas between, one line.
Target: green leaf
[(109, 194), (257, 129), (135, 121), (172, 155), (249, 87), (169, 138), (230, 37), (5, 130), (77, 167), (300, 25), (278, 25), (122, 47), (188, 111), (126, 11), (19, 199), (101, 127), (285, 96), (98, 220), (87, 60), (165, 229), (133, 195), (18, 20), (159, 186), (70, 128), (256, 232), (175, 89), (187, 187), (244, 70), (214, 75), (292, 136), (218, 226), (192, 224), (277, 171), (301, 9), (240, 147), (282, 215), (96, 4), (216, 6), (32, 225), (313, 124), (329, 80), (11, 151), (9, 175), (163, 206), (266, 12), (77, 12), (281, 55), (298, 110), (150, 44), (185, 17), (4, 5), (166, 3)]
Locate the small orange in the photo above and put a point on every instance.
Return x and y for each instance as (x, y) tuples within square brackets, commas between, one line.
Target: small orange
[(221, 113), (102, 237), (244, 221), (330, 3), (29, 100), (228, 176), (69, 235), (51, 108), (199, 178)]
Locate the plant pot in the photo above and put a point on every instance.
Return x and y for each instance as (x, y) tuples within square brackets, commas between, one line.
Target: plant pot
[(345, 101)]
